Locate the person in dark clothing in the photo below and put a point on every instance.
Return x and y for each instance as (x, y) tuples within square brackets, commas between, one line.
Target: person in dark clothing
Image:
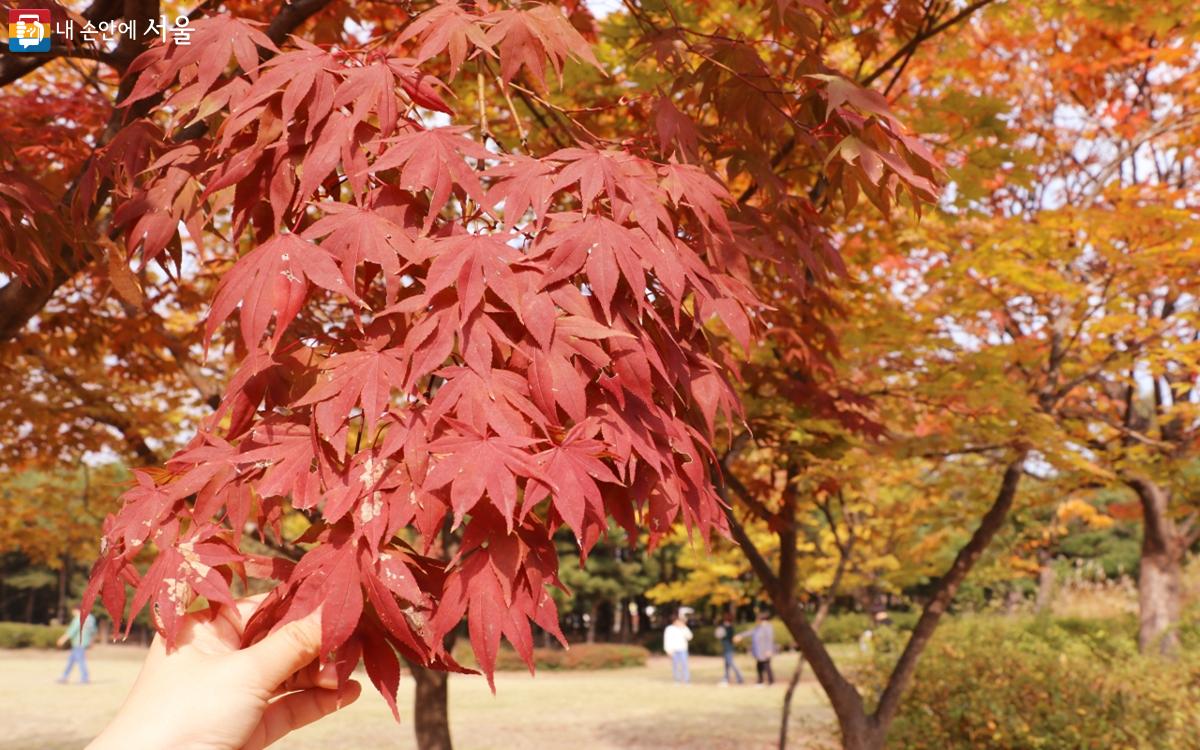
[(726, 635), (762, 647)]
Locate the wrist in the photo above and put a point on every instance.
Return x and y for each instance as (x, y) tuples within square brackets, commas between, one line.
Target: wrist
[(126, 735)]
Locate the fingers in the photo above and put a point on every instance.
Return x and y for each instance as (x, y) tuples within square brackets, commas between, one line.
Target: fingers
[(295, 710), (289, 649), (315, 675), (237, 615)]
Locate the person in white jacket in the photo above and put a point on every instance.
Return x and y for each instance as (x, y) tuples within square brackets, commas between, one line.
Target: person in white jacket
[(675, 643)]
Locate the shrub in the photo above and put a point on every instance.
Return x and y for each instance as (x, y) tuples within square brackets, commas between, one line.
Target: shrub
[(846, 627), (994, 683), (1189, 628), (783, 637), (905, 621), (581, 656), (704, 641), (23, 635)]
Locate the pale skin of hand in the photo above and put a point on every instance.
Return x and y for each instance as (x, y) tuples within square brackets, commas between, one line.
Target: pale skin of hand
[(209, 694)]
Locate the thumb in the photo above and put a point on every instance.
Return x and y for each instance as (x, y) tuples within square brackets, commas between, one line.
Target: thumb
[(284, 652)]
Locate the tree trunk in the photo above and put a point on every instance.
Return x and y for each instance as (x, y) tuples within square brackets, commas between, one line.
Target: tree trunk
[(60, 603), (1046, 582), (594, 613), (431, 708), (787, 703), (818, 620), (1159, 585), (64, 586), (621, 615), (863, 734), (1158, 601)]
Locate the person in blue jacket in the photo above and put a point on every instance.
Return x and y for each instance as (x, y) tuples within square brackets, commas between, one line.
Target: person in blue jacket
[(762, 647), (81, 633)]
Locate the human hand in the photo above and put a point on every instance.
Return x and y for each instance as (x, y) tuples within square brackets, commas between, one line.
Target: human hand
[(209, 694)]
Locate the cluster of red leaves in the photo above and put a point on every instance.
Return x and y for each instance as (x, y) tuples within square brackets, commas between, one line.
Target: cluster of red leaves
[(434, 334), (26, 218)]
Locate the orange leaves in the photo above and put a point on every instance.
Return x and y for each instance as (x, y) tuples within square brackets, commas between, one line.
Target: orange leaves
[(525, 38), (528, 38), (885, 159), (448, 27)]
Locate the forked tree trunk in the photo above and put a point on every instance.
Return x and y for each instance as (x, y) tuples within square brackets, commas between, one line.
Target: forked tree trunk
[(863, 734), (1159, 578), (431, 708), (862, 730)]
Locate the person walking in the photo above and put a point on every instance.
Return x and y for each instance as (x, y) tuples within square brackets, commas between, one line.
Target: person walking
[(675, 643), (80, 634), (762, 647), (726, 635)]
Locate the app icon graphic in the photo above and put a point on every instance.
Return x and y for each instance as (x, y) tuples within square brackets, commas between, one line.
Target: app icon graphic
[(29, 30)]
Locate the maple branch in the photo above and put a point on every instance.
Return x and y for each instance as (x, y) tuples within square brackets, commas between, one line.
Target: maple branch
[(901, 54), (209, 390), (755, 505), (786, 531), (291, 15), (59, 52), (783, 153), (965, 450), (1098, 369), (101, 410), (761, 567), (513, 109), (946, 588), (528, 94), (289, 551), (922, 37)]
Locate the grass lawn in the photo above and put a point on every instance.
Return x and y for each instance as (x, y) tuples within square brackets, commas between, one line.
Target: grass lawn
[(602, 710)]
